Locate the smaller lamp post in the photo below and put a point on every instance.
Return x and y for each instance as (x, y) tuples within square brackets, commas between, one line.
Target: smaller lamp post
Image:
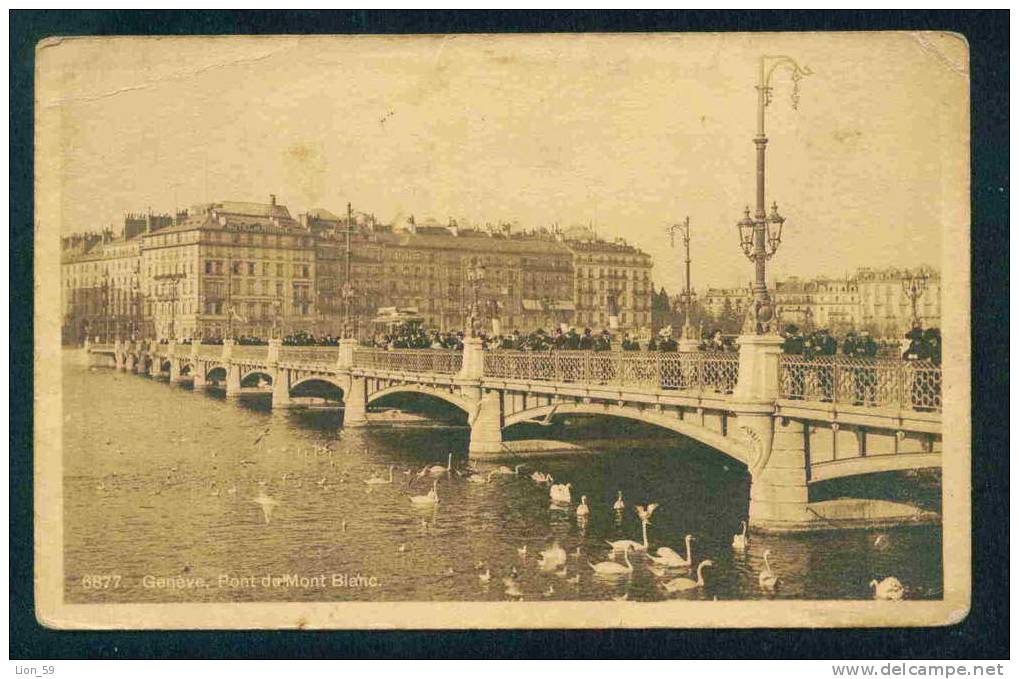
[(913, 287), (475, 277)]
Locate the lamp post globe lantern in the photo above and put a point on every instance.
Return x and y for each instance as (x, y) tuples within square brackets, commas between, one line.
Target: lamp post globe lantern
[(761, 234)]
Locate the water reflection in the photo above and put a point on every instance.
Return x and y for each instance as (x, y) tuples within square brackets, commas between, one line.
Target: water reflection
[(166, 483)]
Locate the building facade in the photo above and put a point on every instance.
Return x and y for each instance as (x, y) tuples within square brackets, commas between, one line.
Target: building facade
[(612, 284), (869, 299), (236, 268)]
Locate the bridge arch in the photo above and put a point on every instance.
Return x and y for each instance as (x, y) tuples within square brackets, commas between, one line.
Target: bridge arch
[(246, 380), (306, 386), (326, 379), (726, 445), (216, 372), (467, 406)]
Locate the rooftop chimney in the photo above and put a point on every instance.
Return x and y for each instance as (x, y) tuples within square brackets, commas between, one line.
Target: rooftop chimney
[(272, 199)]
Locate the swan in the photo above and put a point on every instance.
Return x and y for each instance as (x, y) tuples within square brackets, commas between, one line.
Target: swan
[(480, 478), (552, 558), (613, 567), (506, 470), (739, 540), (432, 498), (540, 477), (560, 493), (645, 519), (438, 469), (267, 504), (619, 505), (767, 579), (889, 589), (377, 480), (583, 511), (684, 584), (671, 559)]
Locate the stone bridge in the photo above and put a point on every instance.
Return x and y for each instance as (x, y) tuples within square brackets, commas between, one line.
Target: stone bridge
[(791, 421)]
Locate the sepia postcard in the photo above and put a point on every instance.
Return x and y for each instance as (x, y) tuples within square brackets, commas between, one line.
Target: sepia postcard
[(502, 331)]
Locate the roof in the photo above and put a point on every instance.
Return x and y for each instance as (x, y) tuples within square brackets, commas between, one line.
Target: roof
[(323, 214), (236, 207), (479, 244)]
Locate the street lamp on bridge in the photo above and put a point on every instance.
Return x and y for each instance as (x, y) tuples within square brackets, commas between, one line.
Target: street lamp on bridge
[(913, 287), (761, 234), (687, 294), (475, 277)]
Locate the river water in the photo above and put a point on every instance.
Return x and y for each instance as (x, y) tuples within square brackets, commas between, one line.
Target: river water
[(160, 486)]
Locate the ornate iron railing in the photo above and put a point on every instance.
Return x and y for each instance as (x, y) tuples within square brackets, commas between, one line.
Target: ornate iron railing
[(698, 371), (874, 382), (410, 360), (326, 355), (249, 352)]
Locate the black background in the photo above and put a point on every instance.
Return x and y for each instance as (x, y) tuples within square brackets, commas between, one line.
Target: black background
[(984, 634)]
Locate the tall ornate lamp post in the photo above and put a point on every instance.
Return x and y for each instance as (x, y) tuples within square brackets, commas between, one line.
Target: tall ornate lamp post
[(277, 306), (348, 294), (687, 294), (913, 287), (761, 234), (475, 277)]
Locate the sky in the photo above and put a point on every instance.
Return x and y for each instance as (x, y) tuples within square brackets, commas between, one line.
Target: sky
[(629, 133)]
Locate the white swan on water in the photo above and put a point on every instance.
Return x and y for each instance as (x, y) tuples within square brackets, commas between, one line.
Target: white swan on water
[(645, 520), (481, 478), (378, 480), (541, 477), (767, 578), (267, 504), (619, 505), (671, 559), (552, 558), (582, 509), (613, 567), (560, 493), (686, 584), (432, 498), (739, 540), (438, 469), (889, 589), (506, 470)]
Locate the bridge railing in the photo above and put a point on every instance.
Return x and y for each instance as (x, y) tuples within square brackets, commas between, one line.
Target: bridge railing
[(695, 371), (310, 355), (874, 382), (249, 352), (410, 360)]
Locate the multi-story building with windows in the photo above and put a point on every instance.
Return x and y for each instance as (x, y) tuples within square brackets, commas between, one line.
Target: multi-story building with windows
[(234, 268), (612, 281), (869, 299)]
